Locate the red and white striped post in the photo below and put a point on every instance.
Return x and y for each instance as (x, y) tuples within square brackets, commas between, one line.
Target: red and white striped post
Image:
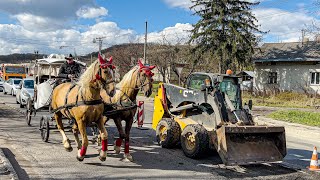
[(140, 114)]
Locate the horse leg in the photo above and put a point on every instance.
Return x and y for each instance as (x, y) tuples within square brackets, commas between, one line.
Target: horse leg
[(104, 140), (75, 131), (65, 140), (83, 132), (127, 155), (118, 142)]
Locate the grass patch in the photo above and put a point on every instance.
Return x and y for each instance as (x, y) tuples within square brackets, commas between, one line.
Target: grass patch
[(154, 90), (296, 116), (284, 99)]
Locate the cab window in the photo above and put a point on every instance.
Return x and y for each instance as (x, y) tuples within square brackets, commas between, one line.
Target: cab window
[(197, 80)]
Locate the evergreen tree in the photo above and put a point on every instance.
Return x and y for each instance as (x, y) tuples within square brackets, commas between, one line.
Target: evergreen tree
[(226, 30)]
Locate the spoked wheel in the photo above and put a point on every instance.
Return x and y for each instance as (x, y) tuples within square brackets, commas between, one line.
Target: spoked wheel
[(44, 128), (28, 113)]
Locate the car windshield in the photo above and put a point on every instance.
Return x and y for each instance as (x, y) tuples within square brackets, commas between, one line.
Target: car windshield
[(16, 81), (28, 84)]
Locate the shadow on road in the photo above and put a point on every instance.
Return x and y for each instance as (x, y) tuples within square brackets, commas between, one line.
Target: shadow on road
[(148, 155), (11, 157)]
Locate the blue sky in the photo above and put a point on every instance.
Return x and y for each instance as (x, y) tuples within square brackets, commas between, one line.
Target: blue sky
[(46, 25)]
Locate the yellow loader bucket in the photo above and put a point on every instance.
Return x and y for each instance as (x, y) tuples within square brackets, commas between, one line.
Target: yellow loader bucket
[(239, 145)]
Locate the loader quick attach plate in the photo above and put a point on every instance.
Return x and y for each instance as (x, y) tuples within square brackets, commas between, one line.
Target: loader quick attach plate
[(239, 145)]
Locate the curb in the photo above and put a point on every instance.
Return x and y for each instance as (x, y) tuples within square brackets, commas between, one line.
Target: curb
[(8, 165)]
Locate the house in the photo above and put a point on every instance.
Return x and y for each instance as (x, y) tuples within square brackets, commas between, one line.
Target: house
[(247, 80), (293, 66)]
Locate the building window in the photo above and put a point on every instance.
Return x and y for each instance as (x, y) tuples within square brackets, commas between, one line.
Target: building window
[(272, 77), (315, 78)]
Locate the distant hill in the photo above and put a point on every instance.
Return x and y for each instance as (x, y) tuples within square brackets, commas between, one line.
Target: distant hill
[(18, 58)]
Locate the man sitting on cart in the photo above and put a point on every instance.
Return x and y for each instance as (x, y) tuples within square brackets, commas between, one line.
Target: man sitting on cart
[(70, 69)]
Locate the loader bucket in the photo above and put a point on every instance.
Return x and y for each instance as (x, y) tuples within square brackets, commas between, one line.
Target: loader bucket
[(240, 145)]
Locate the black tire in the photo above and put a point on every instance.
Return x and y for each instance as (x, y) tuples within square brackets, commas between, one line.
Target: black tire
[(195, 141), (168, 133), (44, 128)]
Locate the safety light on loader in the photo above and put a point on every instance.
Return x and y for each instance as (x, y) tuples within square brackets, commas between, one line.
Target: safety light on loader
[(229, 72)]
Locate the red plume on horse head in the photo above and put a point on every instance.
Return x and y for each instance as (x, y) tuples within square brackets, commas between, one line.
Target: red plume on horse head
[(140, 64), (105, 63), (146, 68), (101, 60)]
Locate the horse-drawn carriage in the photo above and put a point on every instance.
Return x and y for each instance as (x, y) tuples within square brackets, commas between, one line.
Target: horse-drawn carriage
[(45, 72), (86, 101)]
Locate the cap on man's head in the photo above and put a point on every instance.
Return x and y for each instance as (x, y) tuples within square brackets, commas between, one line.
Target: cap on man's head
[(69, 57)]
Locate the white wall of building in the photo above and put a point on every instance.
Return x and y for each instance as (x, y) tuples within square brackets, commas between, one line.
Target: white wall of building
[(290, 77)]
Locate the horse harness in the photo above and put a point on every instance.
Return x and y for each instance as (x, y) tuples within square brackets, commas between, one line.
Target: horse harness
[(69, 106)]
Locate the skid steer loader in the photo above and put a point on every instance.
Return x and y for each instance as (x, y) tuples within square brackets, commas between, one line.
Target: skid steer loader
[(208, 114)]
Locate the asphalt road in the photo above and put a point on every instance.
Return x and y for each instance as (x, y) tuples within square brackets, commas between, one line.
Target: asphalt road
[(34, 159)]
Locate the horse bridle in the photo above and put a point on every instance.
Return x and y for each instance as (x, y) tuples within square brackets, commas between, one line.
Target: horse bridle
[(103, 81)]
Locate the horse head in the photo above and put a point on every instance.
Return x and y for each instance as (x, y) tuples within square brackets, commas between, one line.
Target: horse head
[(145, 78), (105, 75)]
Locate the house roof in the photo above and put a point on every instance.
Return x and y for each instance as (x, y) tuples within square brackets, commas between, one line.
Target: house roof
[(288, 52), (249, 73)]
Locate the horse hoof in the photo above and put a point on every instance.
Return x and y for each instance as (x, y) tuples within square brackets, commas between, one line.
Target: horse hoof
[(126, 160), (117, 149), (80, 158), (102, 158), (128, 157), (69, 149)]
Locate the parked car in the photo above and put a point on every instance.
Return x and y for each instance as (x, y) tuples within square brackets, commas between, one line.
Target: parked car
[(25, 91), (10, 86), (1, 84)]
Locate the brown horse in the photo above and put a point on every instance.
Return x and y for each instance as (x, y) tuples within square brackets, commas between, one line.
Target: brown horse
[(85, 104), (138, 78)]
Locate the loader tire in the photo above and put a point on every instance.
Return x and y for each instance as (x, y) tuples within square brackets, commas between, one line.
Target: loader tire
[(195, 141), (168, 133)]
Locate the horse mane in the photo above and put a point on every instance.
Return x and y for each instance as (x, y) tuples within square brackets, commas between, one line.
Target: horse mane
[(127, 79), (125, 84), (87, 76)]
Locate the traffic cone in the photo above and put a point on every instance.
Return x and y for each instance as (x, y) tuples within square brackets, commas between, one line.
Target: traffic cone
[(314, 166)]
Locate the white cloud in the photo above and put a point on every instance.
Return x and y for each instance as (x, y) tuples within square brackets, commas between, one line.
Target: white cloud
[(48, 15), (38, 23), (18, 39), (91, 12), (173, 35), (283, 25), (185, 4)]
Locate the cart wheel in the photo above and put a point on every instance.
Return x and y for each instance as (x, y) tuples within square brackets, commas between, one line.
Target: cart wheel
[(44, 128), (168, 133), (28, 113), (194, 141)]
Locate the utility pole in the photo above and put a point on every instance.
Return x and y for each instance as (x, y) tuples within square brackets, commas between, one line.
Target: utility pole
[(303, 34), (145, 45), (99, 40)]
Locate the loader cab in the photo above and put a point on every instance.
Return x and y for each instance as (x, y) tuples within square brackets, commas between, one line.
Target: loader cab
[(231, 87), (196, 81)]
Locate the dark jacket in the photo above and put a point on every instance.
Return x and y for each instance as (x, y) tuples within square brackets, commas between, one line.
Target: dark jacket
[(67, 69)]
